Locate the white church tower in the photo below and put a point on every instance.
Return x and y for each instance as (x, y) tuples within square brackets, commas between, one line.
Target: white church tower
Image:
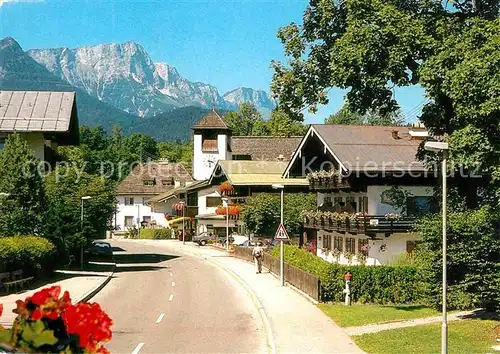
[(212, 142)]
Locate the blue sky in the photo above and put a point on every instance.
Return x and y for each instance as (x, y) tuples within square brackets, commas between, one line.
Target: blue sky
[(227, 43)]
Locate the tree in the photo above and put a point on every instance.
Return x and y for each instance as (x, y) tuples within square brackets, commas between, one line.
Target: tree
[(346, 115), (21, 213), (280, 124), (243, 121), (261, 213), (65, 186), (448, 48), (473, 259)]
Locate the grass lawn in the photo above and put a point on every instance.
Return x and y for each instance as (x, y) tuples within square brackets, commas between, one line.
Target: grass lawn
[(468, 336), (358, 315)]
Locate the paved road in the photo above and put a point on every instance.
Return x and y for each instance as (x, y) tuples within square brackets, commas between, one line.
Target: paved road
[(174, 303)]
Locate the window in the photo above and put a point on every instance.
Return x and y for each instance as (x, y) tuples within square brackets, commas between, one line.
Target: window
[(242, 157), (167, 182), (363, 246), (338, 243), (350, 245), (410, 246), (149, 182), (327, 242), (350, 204), (147, 218), (129, 221), (416, 206), (338, 204), (213, 201), (363, 204), (192, 200), (2, 143), (144, 200), (129, 200)]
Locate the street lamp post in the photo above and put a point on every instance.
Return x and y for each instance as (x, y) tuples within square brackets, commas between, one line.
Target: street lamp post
[(225, 202), (282, 248), (442, 147), (81, 227), (182, 203)]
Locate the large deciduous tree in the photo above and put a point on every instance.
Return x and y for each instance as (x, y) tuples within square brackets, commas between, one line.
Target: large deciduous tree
[(346, 115), (23, 208), (450, 48)]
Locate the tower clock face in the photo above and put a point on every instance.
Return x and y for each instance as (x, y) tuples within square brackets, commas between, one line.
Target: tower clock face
[(209, 160)]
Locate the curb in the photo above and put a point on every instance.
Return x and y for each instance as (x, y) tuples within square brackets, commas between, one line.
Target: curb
[(98, 288), (262, 312)]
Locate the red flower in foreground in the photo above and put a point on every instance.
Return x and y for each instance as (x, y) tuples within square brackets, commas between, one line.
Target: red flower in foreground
[(90, 323), (44, 303), (1, 310)]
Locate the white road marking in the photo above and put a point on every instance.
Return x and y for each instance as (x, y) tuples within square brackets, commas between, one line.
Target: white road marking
[(171, 274), (138, 348), (158, 320), (173, 283), (171, 297)]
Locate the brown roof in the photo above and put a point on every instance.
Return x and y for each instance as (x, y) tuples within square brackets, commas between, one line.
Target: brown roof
[(362, 147), (155, 172), (265, 148), (36, 111), (212, 120)]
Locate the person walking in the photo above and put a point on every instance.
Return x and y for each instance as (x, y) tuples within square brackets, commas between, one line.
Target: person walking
[(258, 255)]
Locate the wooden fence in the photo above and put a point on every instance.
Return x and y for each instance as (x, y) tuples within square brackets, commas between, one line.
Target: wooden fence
[(303, 281)]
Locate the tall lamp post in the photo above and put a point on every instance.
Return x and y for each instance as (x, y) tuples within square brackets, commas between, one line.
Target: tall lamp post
[(183, 205), (81, 228), (442, 147), (282, 250), (225, 202)]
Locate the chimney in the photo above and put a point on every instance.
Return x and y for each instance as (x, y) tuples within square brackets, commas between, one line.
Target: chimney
[(395, 135)]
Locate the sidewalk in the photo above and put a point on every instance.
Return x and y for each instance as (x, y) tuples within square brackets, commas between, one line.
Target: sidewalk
[(81, 285), (297, 325)]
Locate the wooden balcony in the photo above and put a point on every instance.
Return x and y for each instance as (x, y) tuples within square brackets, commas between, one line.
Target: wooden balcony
[(328, 184), (368, 225)]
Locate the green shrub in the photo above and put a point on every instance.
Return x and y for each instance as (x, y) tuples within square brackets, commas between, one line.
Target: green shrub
[(370, 284), (29, 253), (155, 234)]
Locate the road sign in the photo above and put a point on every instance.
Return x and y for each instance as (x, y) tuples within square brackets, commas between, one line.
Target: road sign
[(281, 233)]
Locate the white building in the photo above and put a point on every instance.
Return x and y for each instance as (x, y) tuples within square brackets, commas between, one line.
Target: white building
[(144, 182), (214, 146), (44, 119), (368, 166)]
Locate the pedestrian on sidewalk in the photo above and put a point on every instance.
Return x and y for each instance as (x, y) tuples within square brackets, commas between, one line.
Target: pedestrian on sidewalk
[(258, 255)]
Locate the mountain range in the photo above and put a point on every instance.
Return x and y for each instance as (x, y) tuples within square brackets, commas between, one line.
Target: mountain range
[(123, 88), (124, 76)]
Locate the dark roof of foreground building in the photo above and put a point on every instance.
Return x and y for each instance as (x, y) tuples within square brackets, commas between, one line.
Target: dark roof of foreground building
[(153, 178), (265, 148)]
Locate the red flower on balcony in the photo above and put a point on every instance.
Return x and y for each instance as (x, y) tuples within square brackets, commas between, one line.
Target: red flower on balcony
[(226, 188), (232, 210)]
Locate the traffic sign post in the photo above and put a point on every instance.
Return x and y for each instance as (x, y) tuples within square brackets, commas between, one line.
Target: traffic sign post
[(281, 235)]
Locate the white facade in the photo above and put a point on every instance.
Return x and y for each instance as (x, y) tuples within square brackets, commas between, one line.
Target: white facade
[(382, 250), (204, 162), (134, 214), (207, 218), (35, 142)]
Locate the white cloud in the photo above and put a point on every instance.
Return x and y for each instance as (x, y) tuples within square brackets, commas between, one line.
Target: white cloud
[(6, 1)]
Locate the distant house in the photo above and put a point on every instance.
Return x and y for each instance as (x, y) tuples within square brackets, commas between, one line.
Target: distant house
[(249, 163), (44, 119), (144, 182), (353, 170)]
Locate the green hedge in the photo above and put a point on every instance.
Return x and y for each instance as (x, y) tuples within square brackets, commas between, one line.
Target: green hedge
[(155, 234), (370, 284), (32, 254)]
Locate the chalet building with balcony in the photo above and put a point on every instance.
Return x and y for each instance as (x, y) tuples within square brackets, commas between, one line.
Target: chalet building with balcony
[(248, 165), (44, 119), (370, 188), (144, 182)]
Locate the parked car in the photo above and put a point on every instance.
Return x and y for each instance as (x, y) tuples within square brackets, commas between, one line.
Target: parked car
[(101, 249), (203, 238)]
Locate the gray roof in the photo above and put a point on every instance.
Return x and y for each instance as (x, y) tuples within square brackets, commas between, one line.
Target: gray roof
[(265, 148), (36, 111), (363, 147)]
